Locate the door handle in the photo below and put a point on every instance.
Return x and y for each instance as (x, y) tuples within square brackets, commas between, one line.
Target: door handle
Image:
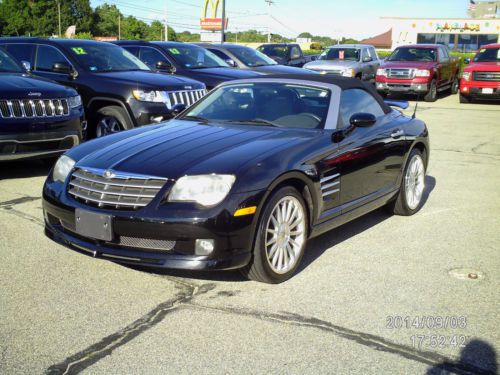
[(397, 133)]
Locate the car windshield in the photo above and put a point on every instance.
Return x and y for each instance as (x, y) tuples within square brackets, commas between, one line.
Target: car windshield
[(194, 57), (251, 57), (275, 51), (266, 104), (8, 64), (413, 54), (488, 55), (351, 54), (103, 57)]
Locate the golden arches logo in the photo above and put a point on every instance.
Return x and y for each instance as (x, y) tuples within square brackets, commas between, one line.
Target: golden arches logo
[(214, 5)]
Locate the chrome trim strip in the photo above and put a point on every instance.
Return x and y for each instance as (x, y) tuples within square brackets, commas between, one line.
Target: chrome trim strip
[(324, 187), (116, 183), (109, 192), (104, 255), (109, 203), (330, 192), (325, 179)]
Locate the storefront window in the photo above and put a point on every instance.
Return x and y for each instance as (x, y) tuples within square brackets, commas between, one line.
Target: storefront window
[(426, 38), (467, 43), (487, 39)]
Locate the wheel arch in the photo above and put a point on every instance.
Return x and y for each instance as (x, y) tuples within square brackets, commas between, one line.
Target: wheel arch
[(99, 102)]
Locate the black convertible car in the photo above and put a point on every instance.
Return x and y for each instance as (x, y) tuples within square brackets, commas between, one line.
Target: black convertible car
[(242, 179)]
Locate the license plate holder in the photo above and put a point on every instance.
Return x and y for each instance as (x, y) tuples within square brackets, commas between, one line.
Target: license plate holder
[(487, 91), (93, 225)]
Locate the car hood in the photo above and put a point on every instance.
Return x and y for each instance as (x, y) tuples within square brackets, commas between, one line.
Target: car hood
[(25, 86), (180, 147), (489, 66), (222, 74), (150, 80), (278, 69), (409, 64), (330, 64)]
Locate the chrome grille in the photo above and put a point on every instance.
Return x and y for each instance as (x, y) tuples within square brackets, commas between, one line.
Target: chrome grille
[(403, 73), (486, 76), (116, 192), (16, 108), (187, 98), (330, 185), (147, 243)]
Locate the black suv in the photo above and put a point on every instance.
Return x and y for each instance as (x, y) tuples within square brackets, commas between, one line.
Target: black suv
[(118, 90), (38, 118), (185, 59)]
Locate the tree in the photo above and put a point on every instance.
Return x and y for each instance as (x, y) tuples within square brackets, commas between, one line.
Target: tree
[(106, 20), (16, 17), (305, 35), (133, 29), (156, 31)]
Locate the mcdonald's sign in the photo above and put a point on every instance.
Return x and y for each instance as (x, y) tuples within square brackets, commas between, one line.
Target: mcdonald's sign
[(211, 22)]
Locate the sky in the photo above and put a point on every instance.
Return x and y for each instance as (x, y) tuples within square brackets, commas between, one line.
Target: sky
[(335, 18)]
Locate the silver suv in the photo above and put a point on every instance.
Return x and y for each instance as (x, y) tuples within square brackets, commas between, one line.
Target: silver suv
[(348, 60)]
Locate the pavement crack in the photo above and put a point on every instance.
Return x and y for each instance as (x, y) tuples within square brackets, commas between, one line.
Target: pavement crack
[(372, 341), (23, 215), (94, 353), (20, 200)]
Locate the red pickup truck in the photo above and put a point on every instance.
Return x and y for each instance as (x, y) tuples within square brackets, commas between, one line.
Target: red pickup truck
[(481, 79), (423, 69)]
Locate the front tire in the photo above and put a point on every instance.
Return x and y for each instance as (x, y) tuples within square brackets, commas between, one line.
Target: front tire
[(281, 238), (431, 95), (409, 200), (455, 86), (110, 120), (464, 99)]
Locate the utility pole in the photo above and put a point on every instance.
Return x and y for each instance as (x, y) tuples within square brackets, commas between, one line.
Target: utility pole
[(166, 24), (223, 28), (119, 28), (269, 2), (59, 16)]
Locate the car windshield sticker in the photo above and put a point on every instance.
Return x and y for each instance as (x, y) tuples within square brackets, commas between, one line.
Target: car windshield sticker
[(79, 50), (174, 51), (93, 68), (484, 49), (341, 54)]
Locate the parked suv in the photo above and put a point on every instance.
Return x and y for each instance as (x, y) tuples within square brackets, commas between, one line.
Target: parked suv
[(286, 54), (419, 69), (348, 60), (481, 79), (185, 59), (117, 89), (38, 118)]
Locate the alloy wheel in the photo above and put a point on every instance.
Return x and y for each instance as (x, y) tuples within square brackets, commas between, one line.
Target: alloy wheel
[(414, 182), (108, 125), (285, 235)]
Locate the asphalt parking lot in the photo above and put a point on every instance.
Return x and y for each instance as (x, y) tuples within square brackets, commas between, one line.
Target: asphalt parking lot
[(381, 295)]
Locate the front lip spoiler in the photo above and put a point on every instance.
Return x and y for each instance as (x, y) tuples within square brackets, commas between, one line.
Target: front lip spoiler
[(153, 260), (24, 155)]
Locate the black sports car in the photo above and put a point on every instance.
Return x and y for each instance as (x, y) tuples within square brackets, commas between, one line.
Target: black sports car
[(242, 179)]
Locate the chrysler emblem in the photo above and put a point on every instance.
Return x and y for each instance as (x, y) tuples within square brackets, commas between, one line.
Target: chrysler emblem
[(188, 87), (109, 174), (34, 94)]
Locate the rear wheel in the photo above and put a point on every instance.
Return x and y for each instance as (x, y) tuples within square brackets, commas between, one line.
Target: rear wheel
[(110, 120), (464, 99), (280, 239), (409, 199), (431, 95), (455, 86)]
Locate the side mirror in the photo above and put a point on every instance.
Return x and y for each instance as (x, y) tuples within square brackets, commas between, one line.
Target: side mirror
[(231, 63), (26, 65), (62, 67), (362, 120), (467, 61), (367, 59), (178, 108), (165, 66)]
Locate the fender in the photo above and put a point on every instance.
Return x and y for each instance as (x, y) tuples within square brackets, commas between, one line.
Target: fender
[(113, 100)]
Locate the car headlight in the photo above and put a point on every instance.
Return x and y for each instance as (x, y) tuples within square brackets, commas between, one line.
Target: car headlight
[(75, 101), (381, 72), (422, 73), (207, 190), (349, 72), (63, 166), (466, 76), (150, 96)]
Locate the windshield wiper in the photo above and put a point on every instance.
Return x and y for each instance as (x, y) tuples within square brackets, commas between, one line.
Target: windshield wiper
[(253, 122), (195, 118)]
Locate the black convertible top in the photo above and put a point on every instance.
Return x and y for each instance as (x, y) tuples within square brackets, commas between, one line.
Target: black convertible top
[(344, 83)]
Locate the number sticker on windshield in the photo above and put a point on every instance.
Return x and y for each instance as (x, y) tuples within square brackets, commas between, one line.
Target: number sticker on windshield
[(175, 51), (79, 50)]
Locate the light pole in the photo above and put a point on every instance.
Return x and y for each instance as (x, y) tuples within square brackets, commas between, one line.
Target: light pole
[(223, 26), (59, 16), (166, 25), (269, 2)]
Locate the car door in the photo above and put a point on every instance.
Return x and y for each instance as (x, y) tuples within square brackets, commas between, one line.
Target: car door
[(366, 65), (370, 158), (45, 58), (150, 56), (443, 66)]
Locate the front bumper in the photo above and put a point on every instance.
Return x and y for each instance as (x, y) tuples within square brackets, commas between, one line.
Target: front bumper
[(28, 138), (402, 87), (232, 236), (480, 89), (146, 113)]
